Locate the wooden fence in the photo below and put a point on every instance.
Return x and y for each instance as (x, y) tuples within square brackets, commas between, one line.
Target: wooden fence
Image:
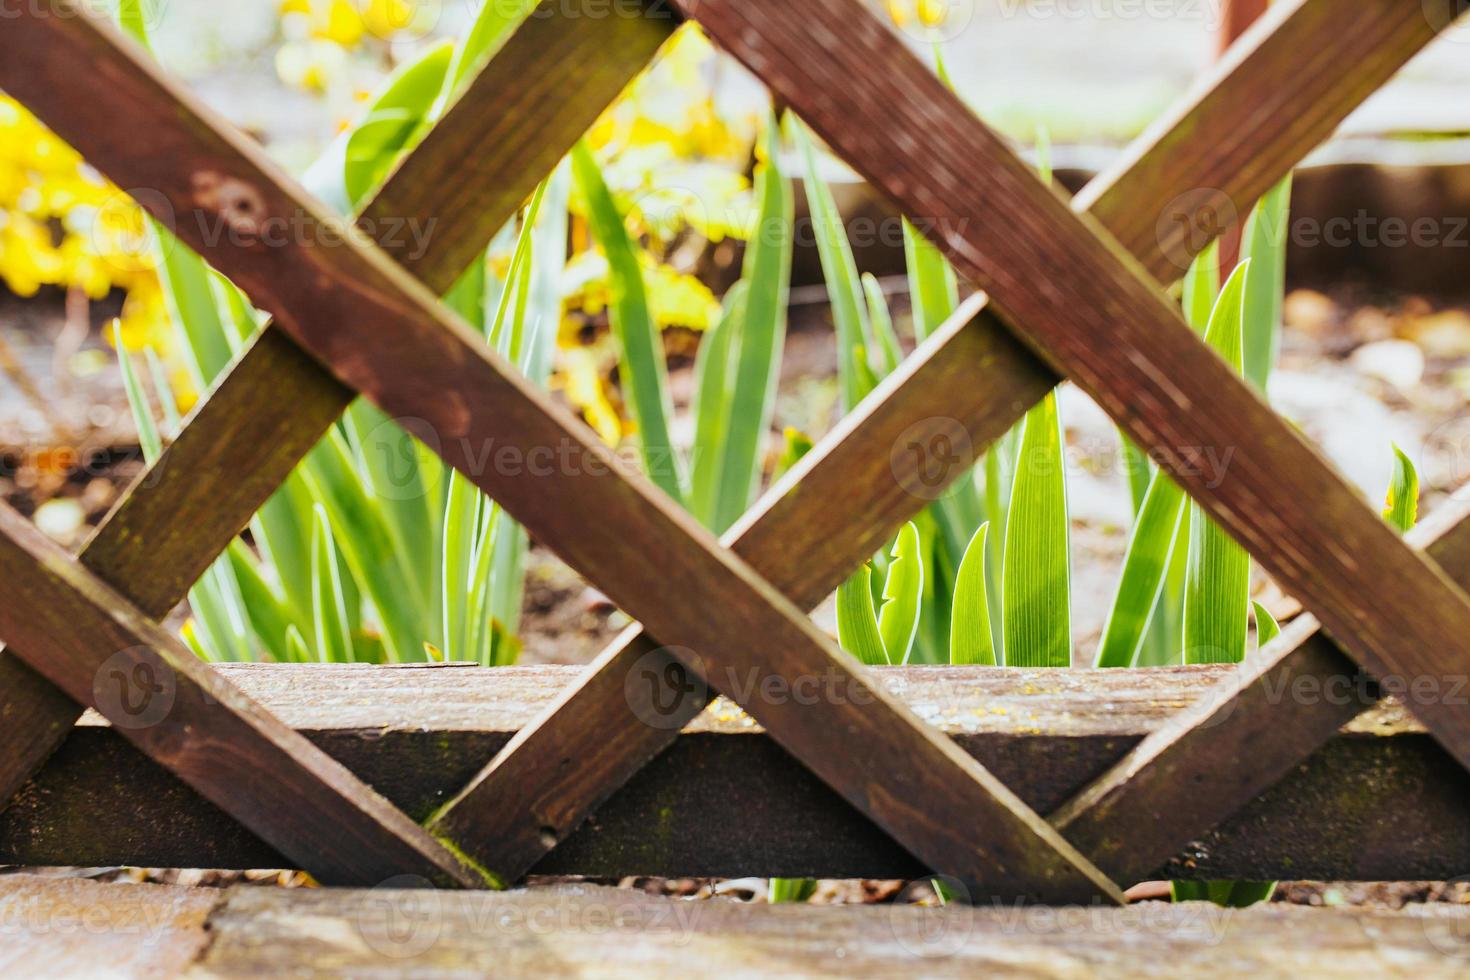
[(1070, 291)]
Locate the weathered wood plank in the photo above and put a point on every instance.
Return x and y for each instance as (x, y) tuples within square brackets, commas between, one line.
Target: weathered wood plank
[(1247, 733), (581, 929), (74, 927), (1089, 308), (275, 402), (812, 529), (383, 334), (726, 800), (1309, 66), (98, 648)]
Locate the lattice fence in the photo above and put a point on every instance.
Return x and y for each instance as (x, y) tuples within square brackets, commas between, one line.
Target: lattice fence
[(1072, 291)]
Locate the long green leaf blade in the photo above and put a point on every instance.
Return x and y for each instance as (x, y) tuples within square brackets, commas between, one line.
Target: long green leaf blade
[(857, 624), (898, 620), (1217, 578), (1142, 580), (644, 374), (970, 640), (1036, 577), (758, 346)]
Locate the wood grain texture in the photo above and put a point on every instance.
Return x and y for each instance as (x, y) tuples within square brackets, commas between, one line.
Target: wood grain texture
[(726, 800), (596, 931), (810, 530), (592, 930), (1308, 67), (276, 401), (1068, 289), (385, 335), (98, 648), (1248, 732)]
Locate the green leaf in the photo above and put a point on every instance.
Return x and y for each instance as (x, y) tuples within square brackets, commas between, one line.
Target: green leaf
[(898, 619), (1142, 579), (1217, 578), (844, 290), (932, 282), (791, 890), (758, 345), (711, 405), (882, 322), (1036, 577), (642, 369), (132, 17), (189, 297), (396, 120), (1200, 287), (333, 636), (1401, 507), (1230, 894), (1267, 629), (148, 438), (970, 640), (857, 624), (492, 27), (297, 651), (1264, 244), (269, 616)]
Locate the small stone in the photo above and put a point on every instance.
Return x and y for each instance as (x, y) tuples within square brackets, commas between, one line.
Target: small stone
[(1395, 362)]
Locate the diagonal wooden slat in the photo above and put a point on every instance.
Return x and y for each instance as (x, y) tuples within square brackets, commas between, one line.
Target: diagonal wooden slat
[(275, 402), (1088, 308), (811, 529), (386, 336), (90, 642), (1247, 733)]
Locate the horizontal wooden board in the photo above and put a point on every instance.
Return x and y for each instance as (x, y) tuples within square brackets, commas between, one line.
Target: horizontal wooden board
[(726, 800), (592, 930)]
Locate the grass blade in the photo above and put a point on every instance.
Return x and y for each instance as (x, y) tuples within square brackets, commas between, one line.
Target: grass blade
[(857, 624), (970, 640), (898, 620), (839, 269), (1142, 580), (1267, 629), (1401, 506), (1217, 578), (758, 345), (333, 637), (1036, 576), (1264, 244), (644, 375)]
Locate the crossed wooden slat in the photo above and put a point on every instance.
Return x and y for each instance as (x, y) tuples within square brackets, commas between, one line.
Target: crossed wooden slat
[(409, 326)]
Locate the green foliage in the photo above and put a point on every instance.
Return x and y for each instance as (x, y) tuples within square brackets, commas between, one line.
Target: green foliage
[(898, 619), (641, 361), (1036, 576), (1401, 507), (970, 639), (1217, 577), (349, 556)]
